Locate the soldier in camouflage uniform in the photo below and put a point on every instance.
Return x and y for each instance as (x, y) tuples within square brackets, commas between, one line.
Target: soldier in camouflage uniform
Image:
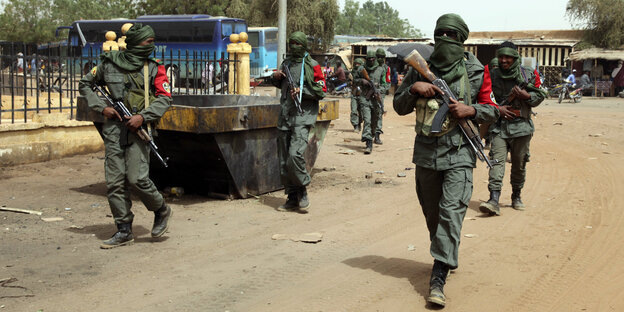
[(444, 161), (383, 88), (514, 130), (356, 114), (371, 107), (127, 155), (294, 128)]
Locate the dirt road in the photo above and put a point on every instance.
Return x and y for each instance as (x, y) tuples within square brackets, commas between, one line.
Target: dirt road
[(564, 253)]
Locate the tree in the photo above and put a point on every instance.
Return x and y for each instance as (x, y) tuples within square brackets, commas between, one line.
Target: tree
[(373, 18), (603, 21), (35, 21)]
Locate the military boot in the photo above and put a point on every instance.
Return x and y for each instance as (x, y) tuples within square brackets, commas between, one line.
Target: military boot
[(516, 202), (491, 206), (161, 220), (304, 203), (369, 147), (377, 139), (122, 237), (356, 128), (291, 204), (436, 284)]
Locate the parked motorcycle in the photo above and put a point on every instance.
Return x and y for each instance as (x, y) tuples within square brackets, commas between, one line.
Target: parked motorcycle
[(334, 87)]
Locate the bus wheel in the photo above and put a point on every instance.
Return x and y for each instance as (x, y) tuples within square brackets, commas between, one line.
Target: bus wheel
[(173, 75)]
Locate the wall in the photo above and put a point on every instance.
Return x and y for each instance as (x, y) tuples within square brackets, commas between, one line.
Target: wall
[(47, 137)]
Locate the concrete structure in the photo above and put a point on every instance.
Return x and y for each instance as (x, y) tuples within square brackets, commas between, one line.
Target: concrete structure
[(46, 137)]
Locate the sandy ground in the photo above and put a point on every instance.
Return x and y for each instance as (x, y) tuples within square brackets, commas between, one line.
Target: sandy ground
[(564, 253)]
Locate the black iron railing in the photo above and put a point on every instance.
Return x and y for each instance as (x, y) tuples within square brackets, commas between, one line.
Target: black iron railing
[(46, 81)]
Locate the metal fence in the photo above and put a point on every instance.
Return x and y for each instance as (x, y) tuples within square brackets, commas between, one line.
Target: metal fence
[(46, 81)]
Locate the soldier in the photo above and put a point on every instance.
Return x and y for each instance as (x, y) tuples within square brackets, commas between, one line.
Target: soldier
[(294, 128), (371, 105), (127, 155), (514, 129), (444, 161), (381, 60), (356, 93)]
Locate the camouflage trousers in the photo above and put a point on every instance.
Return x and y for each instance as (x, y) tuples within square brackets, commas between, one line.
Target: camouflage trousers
[(127, 169), (444, 197)]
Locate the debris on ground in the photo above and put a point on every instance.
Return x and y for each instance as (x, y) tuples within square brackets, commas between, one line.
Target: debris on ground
[(314, 237), (3, 208)]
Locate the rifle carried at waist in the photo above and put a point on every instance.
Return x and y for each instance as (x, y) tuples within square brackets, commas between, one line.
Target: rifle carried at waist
[(518, 111), (123, 111), (292, 86), (373, 92), (467, 127)]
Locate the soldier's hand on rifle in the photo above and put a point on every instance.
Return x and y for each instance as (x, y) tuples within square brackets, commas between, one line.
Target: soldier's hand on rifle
[(520, 93), (134, 122), (278, 75), (506, 112), (425, 89), (460, 110), (111, 113), (294, 93)]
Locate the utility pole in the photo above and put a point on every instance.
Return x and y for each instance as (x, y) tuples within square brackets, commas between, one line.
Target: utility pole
[(281, 31), (281, 35)]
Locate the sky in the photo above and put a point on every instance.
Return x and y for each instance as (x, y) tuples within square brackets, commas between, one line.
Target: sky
[(481, 15)]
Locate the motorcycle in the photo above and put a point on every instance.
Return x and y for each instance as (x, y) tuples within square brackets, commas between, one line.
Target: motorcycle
[(334, 87), (569, 91)]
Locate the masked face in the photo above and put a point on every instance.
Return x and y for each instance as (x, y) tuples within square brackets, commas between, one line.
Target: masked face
[(370, 61), (296, 49)]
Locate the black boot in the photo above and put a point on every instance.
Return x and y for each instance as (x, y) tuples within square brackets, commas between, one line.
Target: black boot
[(369, 147), (292, 202), (377, 139), (516, 202), (436, 284), (161, 220), (356, 128), (491, 206), (304, 203), (122, 237)]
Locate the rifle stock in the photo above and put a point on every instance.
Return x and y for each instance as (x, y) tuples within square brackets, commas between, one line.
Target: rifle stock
[(468, 129), (375, 94)]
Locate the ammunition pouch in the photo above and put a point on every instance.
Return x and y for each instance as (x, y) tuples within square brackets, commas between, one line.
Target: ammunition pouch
[(426, 109)]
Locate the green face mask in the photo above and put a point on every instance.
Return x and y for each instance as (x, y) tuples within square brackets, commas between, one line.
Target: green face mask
[(142, 51), (297, 50)]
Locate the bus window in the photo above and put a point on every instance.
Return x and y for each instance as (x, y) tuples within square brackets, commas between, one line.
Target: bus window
[(270, 37), (254, 39), (228, 28)]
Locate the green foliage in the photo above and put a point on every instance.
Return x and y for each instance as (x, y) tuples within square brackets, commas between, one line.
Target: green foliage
[(603, 21), (35, 21), (373, 18), (315, 18)]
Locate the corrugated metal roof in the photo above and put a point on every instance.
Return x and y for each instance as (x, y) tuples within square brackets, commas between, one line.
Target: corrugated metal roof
[(523, 42), (597, 54)]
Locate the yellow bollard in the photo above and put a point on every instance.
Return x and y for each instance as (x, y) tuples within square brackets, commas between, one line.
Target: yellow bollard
[(121, 42), (110, 44), (232, 50), (243, 70)]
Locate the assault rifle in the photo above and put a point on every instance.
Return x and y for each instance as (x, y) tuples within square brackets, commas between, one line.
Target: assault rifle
[(467, 127), (123, 111), (291, 86), (374, 93)]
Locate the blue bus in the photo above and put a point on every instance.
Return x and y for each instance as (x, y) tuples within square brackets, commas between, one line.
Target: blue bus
[(180, 39), (263, 58)]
